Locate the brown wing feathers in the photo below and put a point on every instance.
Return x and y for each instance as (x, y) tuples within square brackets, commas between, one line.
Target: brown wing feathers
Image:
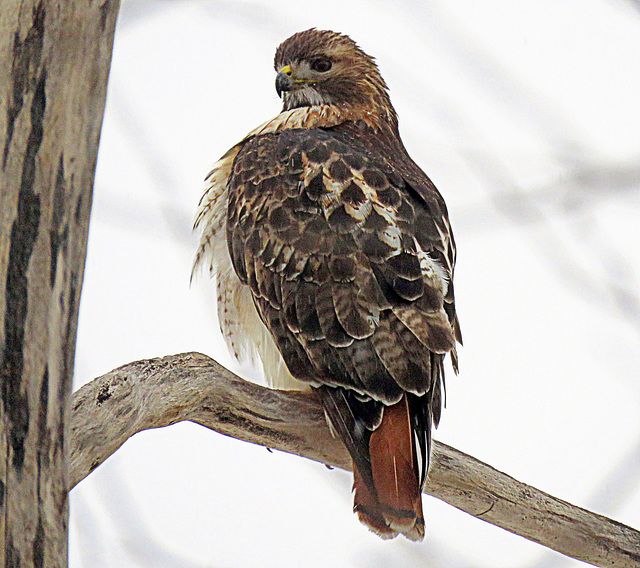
[(329, 243)]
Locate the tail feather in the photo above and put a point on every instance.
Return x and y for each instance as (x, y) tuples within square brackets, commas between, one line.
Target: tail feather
[(367, 507), (390, 447), (394, 504)]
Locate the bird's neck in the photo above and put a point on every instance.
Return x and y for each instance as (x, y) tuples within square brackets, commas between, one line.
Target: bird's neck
[(328, 116)]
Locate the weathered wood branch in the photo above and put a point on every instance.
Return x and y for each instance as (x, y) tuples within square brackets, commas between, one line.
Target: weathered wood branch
[(54, 64), (190, 386)]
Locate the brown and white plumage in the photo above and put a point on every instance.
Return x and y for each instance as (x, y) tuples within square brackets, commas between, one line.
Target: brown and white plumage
[(333, 257)]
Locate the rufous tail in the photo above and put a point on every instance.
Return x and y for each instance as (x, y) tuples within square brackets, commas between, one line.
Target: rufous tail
[(394, 504)]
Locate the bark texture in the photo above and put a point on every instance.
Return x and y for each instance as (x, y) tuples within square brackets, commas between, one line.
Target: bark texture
[(158, 392), (54, 64)]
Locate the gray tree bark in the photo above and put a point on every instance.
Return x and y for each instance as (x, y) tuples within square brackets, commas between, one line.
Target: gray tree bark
[(190, 386), (54, 64)]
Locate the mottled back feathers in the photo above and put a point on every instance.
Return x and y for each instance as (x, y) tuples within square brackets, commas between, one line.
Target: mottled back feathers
[(326, 237)]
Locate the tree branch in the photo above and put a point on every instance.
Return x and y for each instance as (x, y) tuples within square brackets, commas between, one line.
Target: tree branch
[(190, 386)]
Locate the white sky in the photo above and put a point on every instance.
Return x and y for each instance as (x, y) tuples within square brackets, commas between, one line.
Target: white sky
[(526, 116)]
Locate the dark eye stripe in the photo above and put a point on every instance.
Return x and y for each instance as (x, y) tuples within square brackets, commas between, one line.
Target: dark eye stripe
[(321, 65)]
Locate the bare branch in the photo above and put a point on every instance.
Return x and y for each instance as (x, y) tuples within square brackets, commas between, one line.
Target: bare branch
[(190, 386)]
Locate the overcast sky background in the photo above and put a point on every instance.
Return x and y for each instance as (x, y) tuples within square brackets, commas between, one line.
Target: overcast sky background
[(526, 116)]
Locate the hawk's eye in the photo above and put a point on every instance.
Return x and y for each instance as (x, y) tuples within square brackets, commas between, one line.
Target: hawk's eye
[(321, 65)]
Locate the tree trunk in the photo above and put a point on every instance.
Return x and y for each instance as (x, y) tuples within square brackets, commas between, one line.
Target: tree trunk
[(54, 64)]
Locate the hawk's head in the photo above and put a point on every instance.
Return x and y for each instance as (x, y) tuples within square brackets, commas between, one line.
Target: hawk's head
[(317, 67)]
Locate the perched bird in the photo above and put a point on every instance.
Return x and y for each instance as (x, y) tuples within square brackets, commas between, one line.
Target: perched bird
[(333, 258)]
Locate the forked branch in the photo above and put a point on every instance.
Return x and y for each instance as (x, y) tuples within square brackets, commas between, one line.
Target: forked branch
[(190, 386)]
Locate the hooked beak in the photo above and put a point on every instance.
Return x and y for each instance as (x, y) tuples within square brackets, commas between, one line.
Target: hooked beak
[(284, 82)]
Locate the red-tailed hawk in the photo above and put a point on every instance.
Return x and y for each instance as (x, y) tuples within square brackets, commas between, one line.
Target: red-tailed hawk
[(333, 258)]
